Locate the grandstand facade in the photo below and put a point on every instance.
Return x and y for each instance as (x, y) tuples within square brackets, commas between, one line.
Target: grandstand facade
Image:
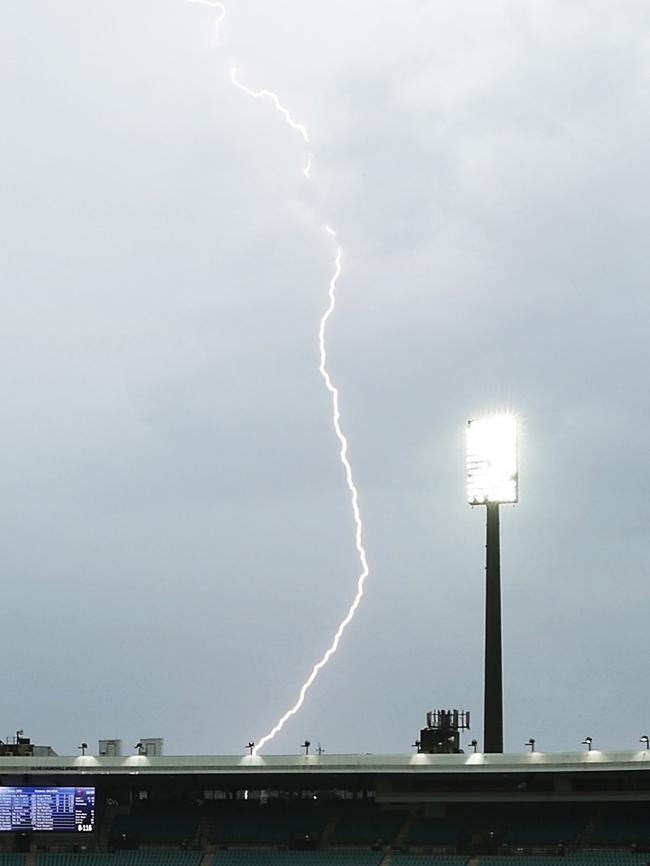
[(587, 809)]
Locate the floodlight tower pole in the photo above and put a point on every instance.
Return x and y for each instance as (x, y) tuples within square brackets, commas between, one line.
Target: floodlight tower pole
[(493, 697), (492, 479)]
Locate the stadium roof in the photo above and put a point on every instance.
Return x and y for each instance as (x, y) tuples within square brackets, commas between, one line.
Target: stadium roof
[(273, 765)]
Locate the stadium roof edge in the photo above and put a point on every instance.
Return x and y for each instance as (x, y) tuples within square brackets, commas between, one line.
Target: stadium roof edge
[(287, 764)]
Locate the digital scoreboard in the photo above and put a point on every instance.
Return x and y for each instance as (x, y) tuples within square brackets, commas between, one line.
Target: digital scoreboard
[(60, 810)]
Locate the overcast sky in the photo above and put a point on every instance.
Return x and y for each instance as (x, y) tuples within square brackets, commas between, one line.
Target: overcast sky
[(177, 544)]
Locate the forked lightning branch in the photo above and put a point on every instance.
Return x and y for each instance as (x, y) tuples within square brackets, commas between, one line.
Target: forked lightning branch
[(268, 96)]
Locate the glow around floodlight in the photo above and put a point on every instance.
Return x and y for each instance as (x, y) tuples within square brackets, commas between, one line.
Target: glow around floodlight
[(492, 460)]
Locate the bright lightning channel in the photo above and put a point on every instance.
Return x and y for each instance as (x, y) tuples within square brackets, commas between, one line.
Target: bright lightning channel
[(354, 498), (268, 94), (334, 395), (213, 4)]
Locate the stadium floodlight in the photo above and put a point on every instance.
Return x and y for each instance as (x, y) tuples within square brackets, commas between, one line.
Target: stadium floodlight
[(492, 460), (492, 479), (646, 740)]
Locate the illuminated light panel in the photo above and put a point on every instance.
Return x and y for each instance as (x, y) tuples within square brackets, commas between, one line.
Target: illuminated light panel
[(492, 474), (334, 396)]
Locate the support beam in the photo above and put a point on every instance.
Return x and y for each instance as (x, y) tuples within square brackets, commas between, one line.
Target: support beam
[(493, 697)]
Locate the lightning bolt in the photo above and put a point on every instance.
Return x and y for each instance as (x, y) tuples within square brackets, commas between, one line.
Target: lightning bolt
[(213, 4), (334, 396), (354, 499), (268, 94)]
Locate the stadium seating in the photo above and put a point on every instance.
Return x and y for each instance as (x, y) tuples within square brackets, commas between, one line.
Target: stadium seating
[(522, 860), (622, 830), (606, 858), (163, 829), (368, 828), (595, 858), (433, 831), (550, 831), (428, 860), (159, 857), (265, 826), (12, 859), (246, 857)]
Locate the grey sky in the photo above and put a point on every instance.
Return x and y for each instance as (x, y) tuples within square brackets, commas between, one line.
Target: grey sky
[(177, 542)]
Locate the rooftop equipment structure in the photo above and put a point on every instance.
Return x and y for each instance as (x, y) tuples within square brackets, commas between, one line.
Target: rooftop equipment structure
[(152, 747), (110, 748), (442, 733)]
